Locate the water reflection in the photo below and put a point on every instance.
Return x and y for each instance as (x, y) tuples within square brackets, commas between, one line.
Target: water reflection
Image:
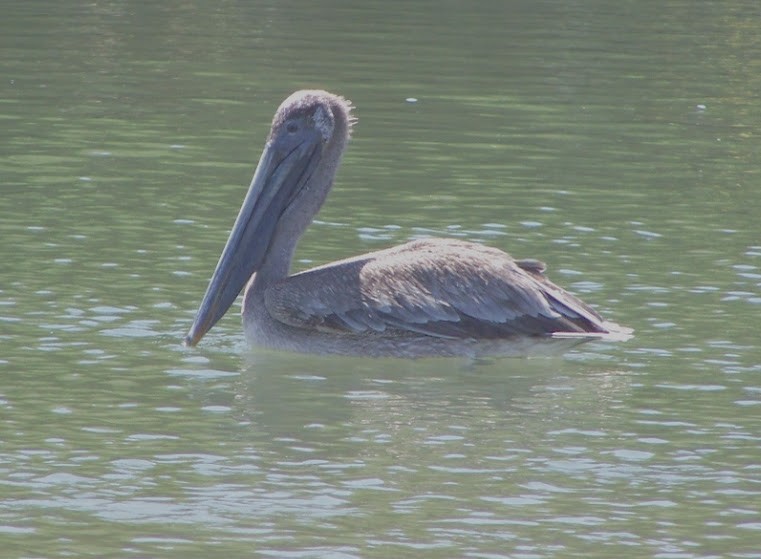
[(403, 404)]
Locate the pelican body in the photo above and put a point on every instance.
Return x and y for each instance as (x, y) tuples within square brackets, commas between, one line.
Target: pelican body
[(430, 297)]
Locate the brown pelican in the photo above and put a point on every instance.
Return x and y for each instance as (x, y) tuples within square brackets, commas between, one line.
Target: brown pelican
[(431, 297)]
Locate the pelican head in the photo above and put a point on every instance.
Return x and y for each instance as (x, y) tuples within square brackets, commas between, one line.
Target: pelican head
[(292, 179)]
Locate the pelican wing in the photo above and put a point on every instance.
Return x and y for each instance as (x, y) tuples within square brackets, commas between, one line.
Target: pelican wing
[(435, 287)]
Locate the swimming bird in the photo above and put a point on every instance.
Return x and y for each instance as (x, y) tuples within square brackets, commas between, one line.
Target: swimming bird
[(428, 297)]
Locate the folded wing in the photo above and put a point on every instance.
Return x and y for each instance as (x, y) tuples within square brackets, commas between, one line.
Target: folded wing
[(436, 287)]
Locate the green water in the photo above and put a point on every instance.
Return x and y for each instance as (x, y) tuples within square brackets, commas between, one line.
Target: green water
[(617, 141)]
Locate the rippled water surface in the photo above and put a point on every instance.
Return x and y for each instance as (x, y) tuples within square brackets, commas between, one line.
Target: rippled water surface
[(617, 141)]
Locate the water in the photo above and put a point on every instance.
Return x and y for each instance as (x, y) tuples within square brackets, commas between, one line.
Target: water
[(614, 140)]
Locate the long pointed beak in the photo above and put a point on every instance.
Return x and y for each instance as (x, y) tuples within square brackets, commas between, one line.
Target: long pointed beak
[(279, 177)]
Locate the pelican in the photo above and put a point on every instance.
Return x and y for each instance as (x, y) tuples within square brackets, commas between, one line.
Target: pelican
[(429, 297)]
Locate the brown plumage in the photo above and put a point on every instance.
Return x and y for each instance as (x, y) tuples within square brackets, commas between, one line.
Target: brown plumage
[(423, 298)]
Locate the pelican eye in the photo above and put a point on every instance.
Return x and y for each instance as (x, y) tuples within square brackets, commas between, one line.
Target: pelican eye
[(292, 127)]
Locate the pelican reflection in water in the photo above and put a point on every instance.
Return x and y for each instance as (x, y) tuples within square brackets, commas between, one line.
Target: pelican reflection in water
[(430, 297)]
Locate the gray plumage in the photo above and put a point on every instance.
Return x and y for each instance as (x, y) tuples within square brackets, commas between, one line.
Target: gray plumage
[(423, 298)]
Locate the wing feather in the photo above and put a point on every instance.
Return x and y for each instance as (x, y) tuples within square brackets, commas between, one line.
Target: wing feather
[(435, 287)]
